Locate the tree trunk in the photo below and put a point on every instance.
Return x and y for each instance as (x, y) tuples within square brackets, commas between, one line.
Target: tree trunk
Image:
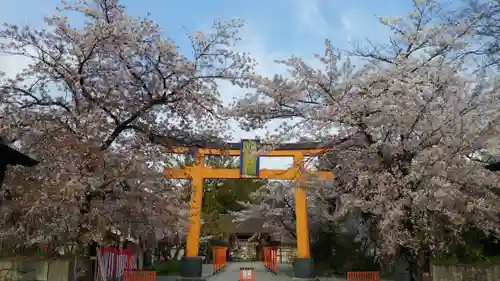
[(146, 259), (178, 252), (408, 267), (165, 253)]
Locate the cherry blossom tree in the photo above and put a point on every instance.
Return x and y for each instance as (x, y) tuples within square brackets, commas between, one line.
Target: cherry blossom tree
[(99, 105), (76, 200), (121, 75), (275, 202), (485, 15), (403, 132)]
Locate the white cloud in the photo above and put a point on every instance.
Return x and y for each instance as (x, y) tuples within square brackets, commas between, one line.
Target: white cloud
[(7, 65), (12, 65), (254, 44), (358, 25), (310, 18), (348, 26)]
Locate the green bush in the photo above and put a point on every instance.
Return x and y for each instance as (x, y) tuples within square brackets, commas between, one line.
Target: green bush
[(475, 248), (171, 267), (336, 252), (478, 260)]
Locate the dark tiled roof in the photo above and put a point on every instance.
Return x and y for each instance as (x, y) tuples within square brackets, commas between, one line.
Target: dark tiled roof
[(10, 156), (251, 225), (494, 167), (254, 225), (275, 203)]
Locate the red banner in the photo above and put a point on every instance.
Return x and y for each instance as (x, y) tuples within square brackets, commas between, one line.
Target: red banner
[(112, 263)]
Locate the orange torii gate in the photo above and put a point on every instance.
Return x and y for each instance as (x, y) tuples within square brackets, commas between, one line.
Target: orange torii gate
[(191, 266)]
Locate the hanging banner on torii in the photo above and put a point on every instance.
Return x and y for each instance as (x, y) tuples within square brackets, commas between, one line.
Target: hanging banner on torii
[(249, 159)]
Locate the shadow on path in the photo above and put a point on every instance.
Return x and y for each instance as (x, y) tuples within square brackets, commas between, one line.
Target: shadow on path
[(207, 272), (232, 273)]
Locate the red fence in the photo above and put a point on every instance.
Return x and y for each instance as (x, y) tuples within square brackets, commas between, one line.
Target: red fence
[(139, 275), (363, 276), (219, 258), (271, 259)]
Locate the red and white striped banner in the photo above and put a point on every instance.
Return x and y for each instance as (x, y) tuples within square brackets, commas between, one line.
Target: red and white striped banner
[(112, 263)]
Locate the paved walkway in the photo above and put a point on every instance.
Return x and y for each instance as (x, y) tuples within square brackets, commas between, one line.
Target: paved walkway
[(232, 273)]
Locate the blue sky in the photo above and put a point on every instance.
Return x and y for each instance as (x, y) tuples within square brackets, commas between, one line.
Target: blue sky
[(274, 29), (283, 25)]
